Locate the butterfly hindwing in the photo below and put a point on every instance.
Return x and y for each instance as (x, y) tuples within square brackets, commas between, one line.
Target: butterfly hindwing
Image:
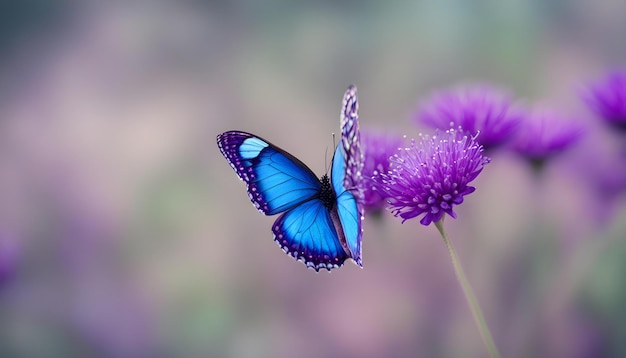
[(307, 233), (276, 180)]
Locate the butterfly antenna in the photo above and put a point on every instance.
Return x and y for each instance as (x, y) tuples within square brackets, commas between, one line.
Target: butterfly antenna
[(326, 155), (326, 159)]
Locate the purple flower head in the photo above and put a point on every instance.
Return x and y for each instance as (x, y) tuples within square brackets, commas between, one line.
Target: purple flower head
[(377, 149), (477, 109), (607, 98), (9, 258), (545, 133), (432, 175)]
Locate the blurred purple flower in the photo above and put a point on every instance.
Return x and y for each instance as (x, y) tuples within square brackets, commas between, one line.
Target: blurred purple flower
[(377, 149), (432, 175), (476, 108), (607, 98), (543, 133), (602, 173), (8, 259)]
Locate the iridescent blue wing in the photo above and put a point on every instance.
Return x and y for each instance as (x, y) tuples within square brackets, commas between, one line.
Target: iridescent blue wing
[(276, 180), (307, 233), (348, 209)]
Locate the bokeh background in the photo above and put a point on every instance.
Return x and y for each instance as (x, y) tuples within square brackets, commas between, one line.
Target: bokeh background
[(124, 232)]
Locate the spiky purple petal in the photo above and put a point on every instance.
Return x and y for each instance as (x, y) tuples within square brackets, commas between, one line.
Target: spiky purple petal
[(431, 175)]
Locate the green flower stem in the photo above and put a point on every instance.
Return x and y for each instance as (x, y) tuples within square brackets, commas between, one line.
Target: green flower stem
[(479, 319)]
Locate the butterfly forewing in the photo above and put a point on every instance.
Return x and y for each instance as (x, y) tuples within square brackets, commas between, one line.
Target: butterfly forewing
[(276, 180)]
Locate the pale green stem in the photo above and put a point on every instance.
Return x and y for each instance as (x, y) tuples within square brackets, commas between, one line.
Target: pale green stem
[(479, 319)]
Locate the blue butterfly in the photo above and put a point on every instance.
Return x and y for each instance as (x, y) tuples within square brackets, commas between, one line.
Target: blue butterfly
[(321, 221)]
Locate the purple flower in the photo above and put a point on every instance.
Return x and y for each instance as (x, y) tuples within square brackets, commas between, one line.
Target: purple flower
[(544, 133), (377, 149), (598, 162), (9, 258), (432, 175), (478, 108), (607, 98)]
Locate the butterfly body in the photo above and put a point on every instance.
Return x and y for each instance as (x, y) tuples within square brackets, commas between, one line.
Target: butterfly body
[(320, 221)]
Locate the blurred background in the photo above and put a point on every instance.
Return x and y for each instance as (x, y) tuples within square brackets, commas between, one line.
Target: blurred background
[(125, 233)]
